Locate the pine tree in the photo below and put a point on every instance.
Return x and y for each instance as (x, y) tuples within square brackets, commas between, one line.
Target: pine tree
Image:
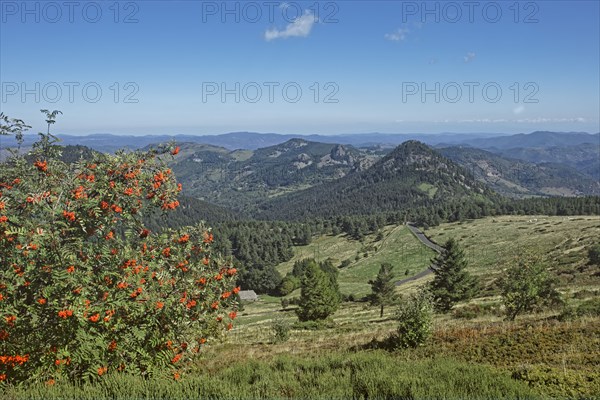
[(318, 298), (452, 283), (383, 288)]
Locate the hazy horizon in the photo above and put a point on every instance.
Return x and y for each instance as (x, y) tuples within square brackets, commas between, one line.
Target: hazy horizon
[(482, 134)]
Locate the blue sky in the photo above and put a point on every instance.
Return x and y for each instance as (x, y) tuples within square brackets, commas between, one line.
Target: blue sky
[(302, 67)]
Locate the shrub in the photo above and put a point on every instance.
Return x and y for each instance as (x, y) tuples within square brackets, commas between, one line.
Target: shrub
[(559, 383), (312, 325), (348, 298), (281, 330), (594, 254), (85, 288), (288, 285), (294, 301), (589, 308), (415, 316), (528, 286)]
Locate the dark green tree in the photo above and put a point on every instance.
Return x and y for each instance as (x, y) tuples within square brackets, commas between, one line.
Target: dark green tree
[(452, 283), (260, 278), (528, 286), (383, 288), (288, 285), (319, 298)]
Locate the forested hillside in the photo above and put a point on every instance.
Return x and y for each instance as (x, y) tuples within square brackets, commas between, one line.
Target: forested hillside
[(410, 176), (241, 179), (517, 178)]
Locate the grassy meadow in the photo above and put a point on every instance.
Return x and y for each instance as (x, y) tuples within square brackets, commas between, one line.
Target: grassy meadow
[(490, 244), (398, 247), (474, 353)]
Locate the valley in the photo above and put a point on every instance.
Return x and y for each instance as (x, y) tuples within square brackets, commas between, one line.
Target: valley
[(277, 210)]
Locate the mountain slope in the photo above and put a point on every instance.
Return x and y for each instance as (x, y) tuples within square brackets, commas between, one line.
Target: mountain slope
[(540, 139), (584, 157), (242, 178), (411, 175), (518, 178)]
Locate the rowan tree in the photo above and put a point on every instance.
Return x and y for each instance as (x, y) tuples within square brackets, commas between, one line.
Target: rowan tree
[(85, 288)]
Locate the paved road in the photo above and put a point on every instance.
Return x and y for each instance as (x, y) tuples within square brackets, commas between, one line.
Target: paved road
[(425, 240)]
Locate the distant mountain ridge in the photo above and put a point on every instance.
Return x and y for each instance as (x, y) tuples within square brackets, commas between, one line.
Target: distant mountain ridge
[(252, 141), (249, 140), (539, 139)]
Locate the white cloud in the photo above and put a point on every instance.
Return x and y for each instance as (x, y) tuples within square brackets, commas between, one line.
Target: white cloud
[(518, 110), (469, 57), (555, 120), (300, 27), (483, 120), (537, 120), (398, 35)]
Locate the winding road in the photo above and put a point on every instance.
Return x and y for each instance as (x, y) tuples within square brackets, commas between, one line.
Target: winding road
[(427, 242)]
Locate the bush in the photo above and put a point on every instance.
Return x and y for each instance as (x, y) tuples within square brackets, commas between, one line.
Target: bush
[(590, 308), (288, 285), (569, 313), (594, 254), (281, 330), (85, 288), (313, 325), (294, 301), (348, 298), (415, 316), (528, 286), (558, 383)]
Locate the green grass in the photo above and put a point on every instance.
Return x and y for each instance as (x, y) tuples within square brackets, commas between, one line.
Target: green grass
[(491, 243), (428, 188), (473, 353), (398, 247), (367, 375)]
